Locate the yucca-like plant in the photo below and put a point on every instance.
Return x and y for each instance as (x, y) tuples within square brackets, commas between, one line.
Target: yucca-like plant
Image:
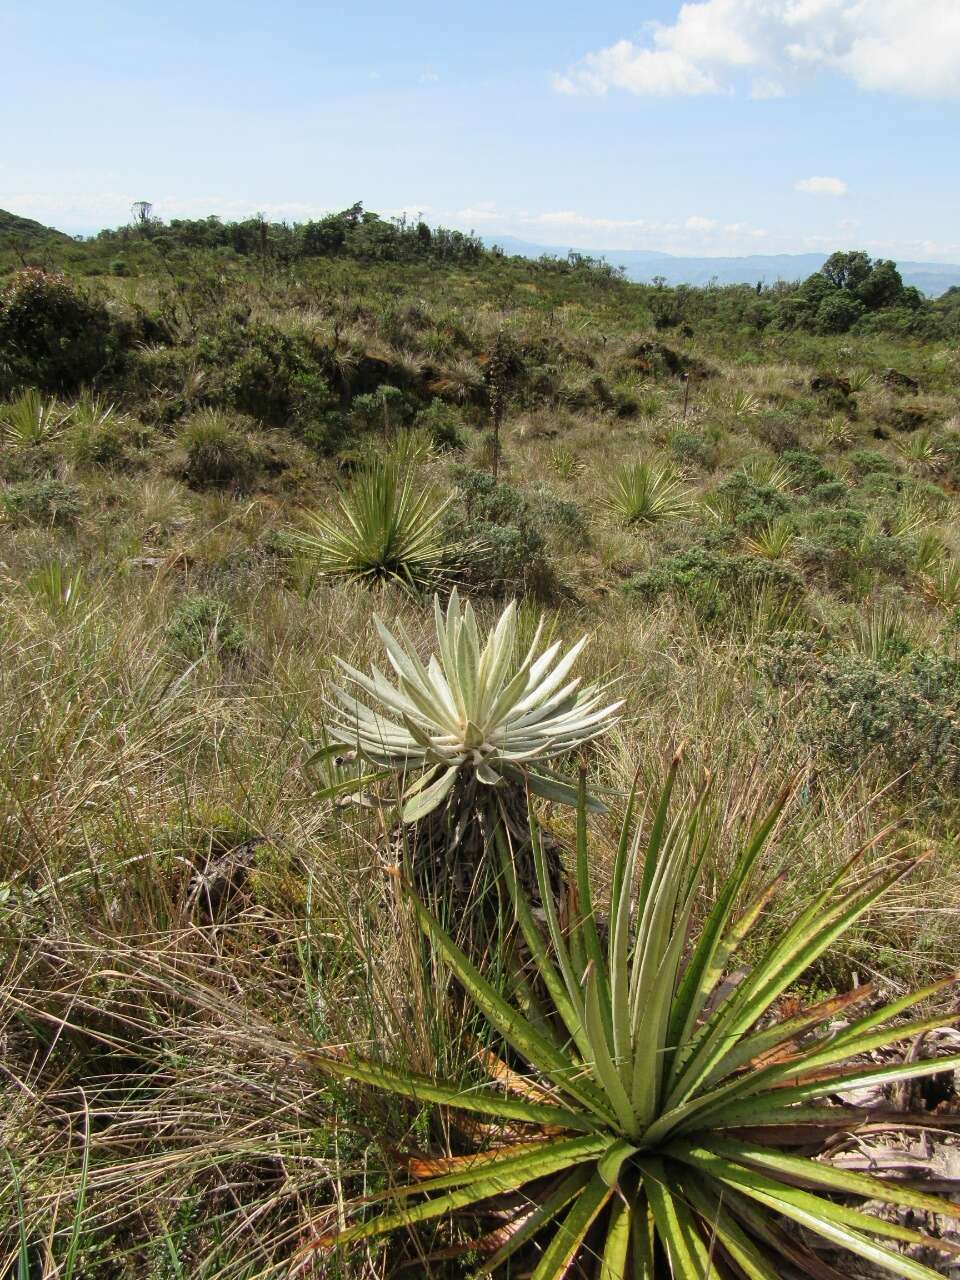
[(770, 472), (942, 584), (93, 412), (719, 507), (922, 451), (644, 493), (63, 592), (30, 420), (743, 404), (477, 724), (859, 379), (773, 540), (929, 550), (910, 518), (837, 432), (655, 1118), (880, 632), (565, 462), (384, 530)]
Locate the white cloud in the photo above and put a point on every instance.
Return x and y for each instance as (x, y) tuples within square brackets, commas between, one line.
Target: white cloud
[(898, 46), (696, 223), (624, 66), (822, 186), (762, 90)]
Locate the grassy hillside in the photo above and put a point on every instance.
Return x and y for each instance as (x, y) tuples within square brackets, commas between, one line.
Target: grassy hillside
[(790, 608)]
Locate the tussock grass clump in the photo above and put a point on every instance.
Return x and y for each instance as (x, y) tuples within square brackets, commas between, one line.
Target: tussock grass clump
[(215, 452)]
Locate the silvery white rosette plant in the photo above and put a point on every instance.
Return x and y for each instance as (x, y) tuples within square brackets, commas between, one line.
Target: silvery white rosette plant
[(470, 730)]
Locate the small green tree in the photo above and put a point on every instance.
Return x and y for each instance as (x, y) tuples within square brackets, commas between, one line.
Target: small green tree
[(52, 335), (847, 270)]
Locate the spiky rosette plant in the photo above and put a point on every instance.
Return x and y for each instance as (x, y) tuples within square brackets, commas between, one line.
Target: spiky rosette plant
[(655, 1119), (384, 530), (477, 724)]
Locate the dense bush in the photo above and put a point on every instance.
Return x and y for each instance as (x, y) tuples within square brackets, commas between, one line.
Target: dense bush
[(443, 425), (262, 371), (807, 470), (511, 533), (904, 715), (52, 335), (753, 502), (46, 500), (693, 448), (716, 584)]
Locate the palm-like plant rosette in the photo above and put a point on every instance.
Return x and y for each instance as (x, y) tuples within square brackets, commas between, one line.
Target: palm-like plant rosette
[(473, 708), (650, 1135)]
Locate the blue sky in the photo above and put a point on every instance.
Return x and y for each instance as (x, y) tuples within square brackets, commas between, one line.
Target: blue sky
[(716, 126)]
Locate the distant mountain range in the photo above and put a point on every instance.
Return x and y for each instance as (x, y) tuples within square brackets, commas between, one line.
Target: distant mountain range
[(932, 278)]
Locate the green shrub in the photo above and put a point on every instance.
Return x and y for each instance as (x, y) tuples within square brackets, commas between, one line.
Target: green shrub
[(201, 625), (752, 502), (511, 531), (265, 373), (903, 713), (693, 449), (716, 584), (561, 517), (807, 470), (52, 335), (839, 529), (443, 425), (382, 410), (828, 492), (838, 313), (46, 500), (215, 453), (867, 462)]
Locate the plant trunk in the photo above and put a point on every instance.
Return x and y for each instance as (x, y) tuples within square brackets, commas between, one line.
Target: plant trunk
[(451, 861)]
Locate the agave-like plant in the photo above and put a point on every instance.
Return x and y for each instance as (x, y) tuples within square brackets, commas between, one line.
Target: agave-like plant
[(656, 1118), (770, 472), (644, 493), (942, 584), (63, 592), (384, 530), (922, 451), (773, 540), (880, 632), (31, 420), (744, 404)]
